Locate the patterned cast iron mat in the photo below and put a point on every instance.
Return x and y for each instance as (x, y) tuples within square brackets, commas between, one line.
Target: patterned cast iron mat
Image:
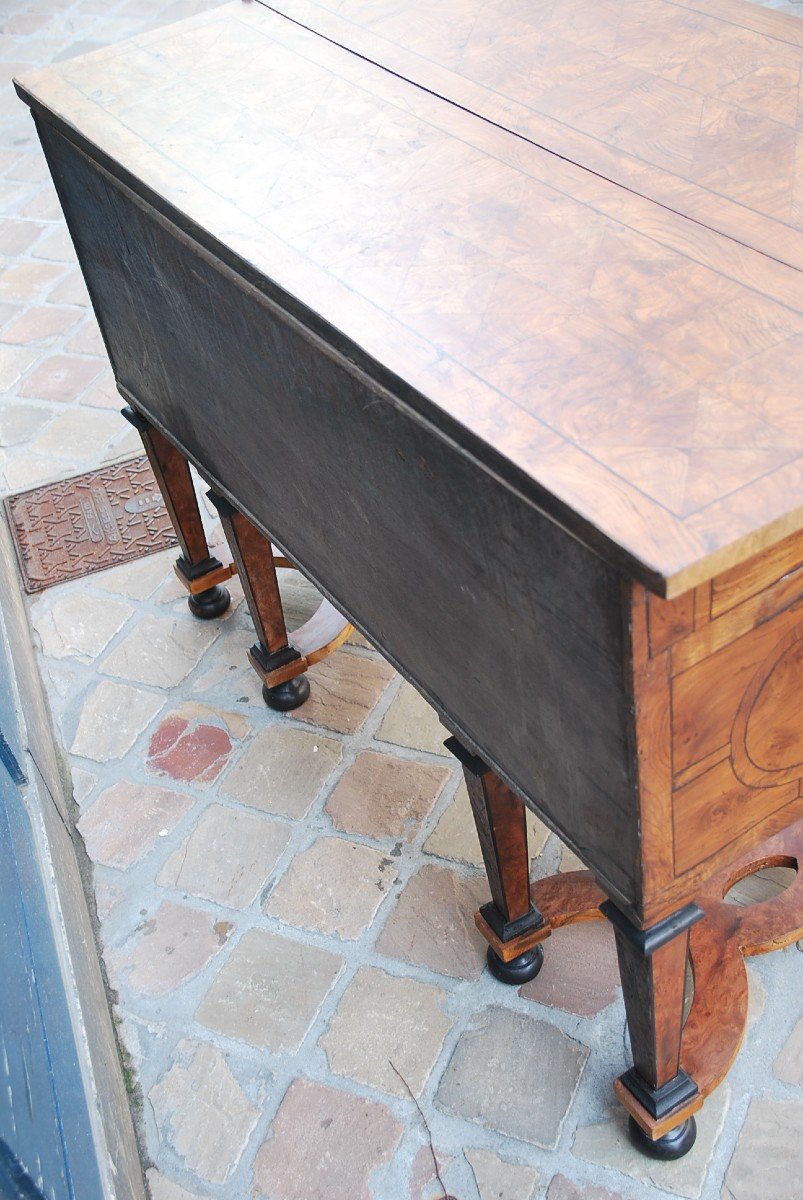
[(85, 524)]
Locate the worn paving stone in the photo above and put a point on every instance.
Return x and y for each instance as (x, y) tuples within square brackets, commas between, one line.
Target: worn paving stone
[(227, 857), (87, 339), (283, 770), (188, 751), (498, 1179), (39, 324), (335, 886), (82, 784), (455, 835), (237, 724), (17, 236), (345, 688), (70, 290), (502, 1060), (410, 721), (14, 362), (112, 718), (26, 280), (126, 819), (31, 470), (767, 1163), (424, 1182), (102, 394), (20, 422), (107, 896), (269, 991), (607, 1144), (78, 625), (789, 1063), (580, 972), (161, 651), (61, 378), (136, 580), (383, 1020), (561, 1188), (76, 434), (171, 947), (381, 796), (162, 1188), (433, 926), (324, 1144), (202, 1112), (569, 861)]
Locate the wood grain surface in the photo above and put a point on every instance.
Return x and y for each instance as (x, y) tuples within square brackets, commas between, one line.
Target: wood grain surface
[(718, 720), (694, 105), (510, 627), (611, 322)]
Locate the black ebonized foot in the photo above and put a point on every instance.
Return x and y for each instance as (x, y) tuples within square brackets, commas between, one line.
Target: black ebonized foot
[(674, 1144), (288, 695), (518, 970), (211, 603)]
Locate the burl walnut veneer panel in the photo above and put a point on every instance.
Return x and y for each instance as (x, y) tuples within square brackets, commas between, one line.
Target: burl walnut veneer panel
[(718, 709), (695, 105), (628, 362)]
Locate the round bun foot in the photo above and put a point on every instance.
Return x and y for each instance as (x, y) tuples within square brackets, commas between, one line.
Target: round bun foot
[(288, 695), (518, 970), (211, 603), (674, 1144)]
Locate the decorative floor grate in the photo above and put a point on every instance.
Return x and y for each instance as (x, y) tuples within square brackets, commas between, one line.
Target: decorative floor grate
[(85, 524)]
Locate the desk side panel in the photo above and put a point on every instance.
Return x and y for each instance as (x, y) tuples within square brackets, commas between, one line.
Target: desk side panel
[(510, 627), (720, 716)]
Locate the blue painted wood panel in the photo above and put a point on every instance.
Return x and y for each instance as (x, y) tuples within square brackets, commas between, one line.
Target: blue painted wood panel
[(46, 1146)]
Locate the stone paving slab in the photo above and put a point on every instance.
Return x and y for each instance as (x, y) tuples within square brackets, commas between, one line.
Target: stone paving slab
[(286, 903)]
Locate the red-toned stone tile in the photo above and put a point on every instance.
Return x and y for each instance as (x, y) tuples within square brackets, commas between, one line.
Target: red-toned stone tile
[(170, 948), (324, 1144), (61, 377), (187, 752), (433, 926), (580, 972), (334, 886), (384, 796), (127, 818), (345, 688), (40, 324), (26, 280)]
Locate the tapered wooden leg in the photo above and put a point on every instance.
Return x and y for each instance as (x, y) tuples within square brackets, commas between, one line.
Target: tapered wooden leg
[(512, 925), (200, 573), (279, 665), (659, 1095)]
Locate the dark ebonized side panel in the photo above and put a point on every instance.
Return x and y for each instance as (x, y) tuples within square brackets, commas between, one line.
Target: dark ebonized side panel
[(510, 627)]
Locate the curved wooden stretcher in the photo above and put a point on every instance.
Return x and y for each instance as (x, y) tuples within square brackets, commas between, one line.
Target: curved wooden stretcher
[(714, 1029)]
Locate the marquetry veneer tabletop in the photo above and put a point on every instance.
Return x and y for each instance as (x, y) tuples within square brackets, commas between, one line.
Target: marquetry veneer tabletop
[(578, 246)]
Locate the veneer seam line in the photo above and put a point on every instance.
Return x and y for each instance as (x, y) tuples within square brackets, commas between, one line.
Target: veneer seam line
[(523, 137)]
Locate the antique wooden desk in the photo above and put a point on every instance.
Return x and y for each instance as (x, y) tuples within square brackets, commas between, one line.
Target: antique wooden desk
[(489, 315)]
